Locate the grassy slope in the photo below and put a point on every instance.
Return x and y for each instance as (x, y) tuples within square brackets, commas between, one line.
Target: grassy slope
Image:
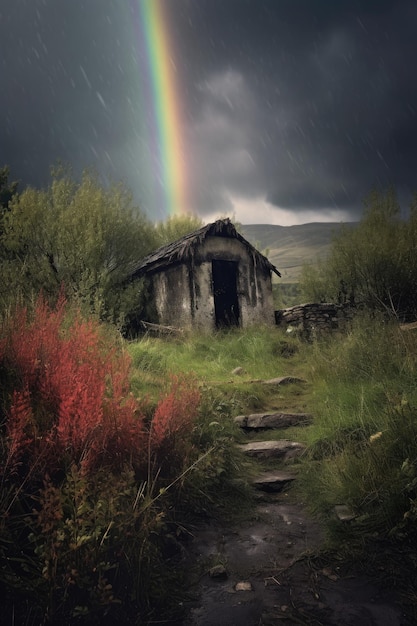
[(290, 247), (361, 445), (262, 353)]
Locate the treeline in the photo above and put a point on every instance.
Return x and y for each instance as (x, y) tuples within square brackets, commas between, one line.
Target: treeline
[(373, 265), (80, 236)]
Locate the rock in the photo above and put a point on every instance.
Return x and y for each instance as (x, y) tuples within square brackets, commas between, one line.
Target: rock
[(330, 574), (282, 449), (244, 585), (238, 371), (344, 513), (272, 420), (283, 380), (273, 481), (410, 326), (219, 572)]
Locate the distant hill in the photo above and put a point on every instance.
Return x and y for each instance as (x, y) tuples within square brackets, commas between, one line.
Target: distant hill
[(290, 247)]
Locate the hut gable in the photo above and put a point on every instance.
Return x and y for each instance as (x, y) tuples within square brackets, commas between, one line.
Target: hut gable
[(184, 250), (210, 278)]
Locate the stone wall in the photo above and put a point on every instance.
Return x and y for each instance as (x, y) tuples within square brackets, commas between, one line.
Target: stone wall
[(313, 318)]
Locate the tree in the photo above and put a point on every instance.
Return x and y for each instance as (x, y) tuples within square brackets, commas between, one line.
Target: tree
[(374, 264), (175, 227), (7, 189), (79, 235), (7, 192)]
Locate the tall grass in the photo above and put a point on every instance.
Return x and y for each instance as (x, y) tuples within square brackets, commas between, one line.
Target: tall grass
[(363, 443), (261, 353)]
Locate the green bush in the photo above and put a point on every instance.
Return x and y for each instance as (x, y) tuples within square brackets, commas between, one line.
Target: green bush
[(372, 265), (80, 234)]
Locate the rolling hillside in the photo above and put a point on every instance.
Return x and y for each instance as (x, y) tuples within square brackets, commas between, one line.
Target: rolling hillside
[(290, 247)]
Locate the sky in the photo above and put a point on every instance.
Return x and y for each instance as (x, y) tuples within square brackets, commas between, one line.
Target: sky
[(287, 111)]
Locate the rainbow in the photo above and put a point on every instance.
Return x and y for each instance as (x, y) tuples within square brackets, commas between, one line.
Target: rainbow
[(159, 79)]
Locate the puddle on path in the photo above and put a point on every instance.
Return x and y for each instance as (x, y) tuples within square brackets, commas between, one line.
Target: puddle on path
[(271, 552)]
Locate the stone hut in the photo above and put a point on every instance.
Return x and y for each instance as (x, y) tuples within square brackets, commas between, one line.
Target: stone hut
[(208, 279)]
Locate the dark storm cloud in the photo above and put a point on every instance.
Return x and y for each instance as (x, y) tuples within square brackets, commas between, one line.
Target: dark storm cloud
[(63, 71), (331, 100), (306, 104)]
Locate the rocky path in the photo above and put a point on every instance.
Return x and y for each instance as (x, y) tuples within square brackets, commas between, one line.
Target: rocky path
[(265, 571)]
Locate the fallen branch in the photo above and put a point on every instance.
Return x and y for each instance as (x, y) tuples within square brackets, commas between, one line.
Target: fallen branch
[(159, 329)]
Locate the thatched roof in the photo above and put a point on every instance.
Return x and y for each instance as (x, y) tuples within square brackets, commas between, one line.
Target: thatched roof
[(183, 250)]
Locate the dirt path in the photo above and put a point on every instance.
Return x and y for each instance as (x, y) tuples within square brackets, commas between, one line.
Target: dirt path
[(266, 572), (283, 583)]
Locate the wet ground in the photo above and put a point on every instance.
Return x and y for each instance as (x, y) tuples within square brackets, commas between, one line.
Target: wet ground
[(271, 557)]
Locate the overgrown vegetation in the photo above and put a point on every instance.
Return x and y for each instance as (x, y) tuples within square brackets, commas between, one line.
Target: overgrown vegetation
[(82, 235), (77, 234), (363, 444), (286, 295), (92, 532), (95, 482), (374, 265), (362, 447), (111, 450)]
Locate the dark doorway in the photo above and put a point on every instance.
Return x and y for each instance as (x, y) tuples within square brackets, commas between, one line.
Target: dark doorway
[(226, 304)]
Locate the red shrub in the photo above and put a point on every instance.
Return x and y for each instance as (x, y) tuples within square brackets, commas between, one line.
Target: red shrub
[(19, 423), (176, 412), (70, 391)]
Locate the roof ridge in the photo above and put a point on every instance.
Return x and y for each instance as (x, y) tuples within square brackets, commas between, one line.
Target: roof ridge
[(181, 248)]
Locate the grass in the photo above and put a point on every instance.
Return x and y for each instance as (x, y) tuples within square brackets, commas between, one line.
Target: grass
[(361, 446), (261, 354), (363, 443), (360, 388)]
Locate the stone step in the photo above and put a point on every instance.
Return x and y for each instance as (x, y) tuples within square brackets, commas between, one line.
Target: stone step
[(273, 481), (280, 380), (272, 420), (282, 449), (283, 380), (344, 513)]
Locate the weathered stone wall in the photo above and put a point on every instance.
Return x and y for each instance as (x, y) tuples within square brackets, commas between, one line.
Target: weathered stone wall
[(172, 297), (314, 318)]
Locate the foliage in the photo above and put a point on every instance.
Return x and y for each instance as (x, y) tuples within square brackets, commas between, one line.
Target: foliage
[(286, 295), (7, 189), (175, 412), (363, 443), (85, 482), (373, 265), (69, 400), (97, 486), (78, 234), (175, 227)]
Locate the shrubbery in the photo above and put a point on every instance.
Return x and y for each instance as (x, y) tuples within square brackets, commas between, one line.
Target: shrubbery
[(70, 394), (86, 469), (79, 233), (372, 265), (84, 234)]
